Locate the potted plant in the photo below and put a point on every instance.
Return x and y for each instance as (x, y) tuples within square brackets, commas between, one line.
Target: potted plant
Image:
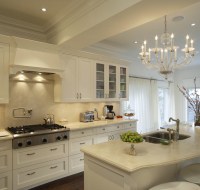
[(193, 100)]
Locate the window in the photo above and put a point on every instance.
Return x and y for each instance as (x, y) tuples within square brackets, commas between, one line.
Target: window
[(163, 105), (190, 113)]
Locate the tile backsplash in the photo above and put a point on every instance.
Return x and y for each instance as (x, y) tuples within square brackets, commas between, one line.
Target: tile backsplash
[(39, 98)]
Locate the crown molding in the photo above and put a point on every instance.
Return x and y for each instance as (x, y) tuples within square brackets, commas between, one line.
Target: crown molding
[(14, 27), (76, 12)]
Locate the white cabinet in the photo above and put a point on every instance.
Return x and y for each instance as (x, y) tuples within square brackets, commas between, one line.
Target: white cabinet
[(76, 163), (77, 81), (123, 83), (33, 175), (4, 73), (78, 138), (5, 165), (111, 81), (40, 164)]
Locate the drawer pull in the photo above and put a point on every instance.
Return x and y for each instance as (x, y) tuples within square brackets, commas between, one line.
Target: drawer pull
[(31, 173), (52, 149), (103, 129), (117, 127), (53, 167), (30, 154), (82, 132), (82, 143), (82, 159)]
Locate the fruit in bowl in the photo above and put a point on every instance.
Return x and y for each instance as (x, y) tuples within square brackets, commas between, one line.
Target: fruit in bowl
[(132, 137), (129, 114)]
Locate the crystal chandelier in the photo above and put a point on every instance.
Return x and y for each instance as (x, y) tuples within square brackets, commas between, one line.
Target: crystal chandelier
[(165, 59)]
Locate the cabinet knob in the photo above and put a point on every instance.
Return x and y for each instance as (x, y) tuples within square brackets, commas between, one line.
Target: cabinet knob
[(58, 138), (80, 95)]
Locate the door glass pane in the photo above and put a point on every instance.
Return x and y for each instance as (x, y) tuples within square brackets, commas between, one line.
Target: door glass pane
[(112, 81), (100, 72), (123, 82)]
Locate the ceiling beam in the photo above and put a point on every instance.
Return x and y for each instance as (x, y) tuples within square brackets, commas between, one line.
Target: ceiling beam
[(129, 17)]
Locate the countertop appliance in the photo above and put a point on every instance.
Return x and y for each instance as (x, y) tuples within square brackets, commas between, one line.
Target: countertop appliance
[(31, 135), (110, 113), (87, 116)]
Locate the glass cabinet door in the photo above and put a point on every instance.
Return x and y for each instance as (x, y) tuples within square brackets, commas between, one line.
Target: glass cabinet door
[(112, 81), (123, 82), (100, 80)]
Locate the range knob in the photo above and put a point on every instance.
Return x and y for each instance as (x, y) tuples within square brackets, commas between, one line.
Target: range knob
[(20, 144), (65, 136), (58, 138), (44, 140), (28, 142)]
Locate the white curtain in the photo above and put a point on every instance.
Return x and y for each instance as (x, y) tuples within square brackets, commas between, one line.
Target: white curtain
[(143, 99)]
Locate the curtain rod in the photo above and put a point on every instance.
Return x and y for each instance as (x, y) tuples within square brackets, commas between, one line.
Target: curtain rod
[(146, 78)]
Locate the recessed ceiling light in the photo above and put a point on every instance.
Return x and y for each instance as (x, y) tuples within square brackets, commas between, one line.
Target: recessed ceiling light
[(44, 9), (178, 18), (193, 24), (135, 42)]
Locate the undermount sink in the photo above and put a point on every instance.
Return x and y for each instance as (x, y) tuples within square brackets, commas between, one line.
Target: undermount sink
[(156, 137)]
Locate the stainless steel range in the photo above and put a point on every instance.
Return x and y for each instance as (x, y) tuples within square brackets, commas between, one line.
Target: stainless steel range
[(31, 135)]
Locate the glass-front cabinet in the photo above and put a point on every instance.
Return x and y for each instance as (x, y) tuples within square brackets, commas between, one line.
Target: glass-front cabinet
[(111, 81), (100, 80), (123, 82)]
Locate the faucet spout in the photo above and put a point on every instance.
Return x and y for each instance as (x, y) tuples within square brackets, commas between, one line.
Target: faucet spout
[(177, 123)]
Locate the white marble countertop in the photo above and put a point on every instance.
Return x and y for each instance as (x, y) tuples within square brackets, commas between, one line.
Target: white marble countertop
[(82, 125), (5, 135), (116, 153)]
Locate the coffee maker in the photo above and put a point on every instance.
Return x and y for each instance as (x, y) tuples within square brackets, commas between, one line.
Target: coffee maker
[(108, 112)]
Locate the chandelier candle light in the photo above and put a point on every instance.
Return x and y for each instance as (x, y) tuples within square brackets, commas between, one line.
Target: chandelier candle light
[(165, 59)]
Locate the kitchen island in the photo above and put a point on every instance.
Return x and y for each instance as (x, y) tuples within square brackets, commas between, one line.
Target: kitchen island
[(109, 165)]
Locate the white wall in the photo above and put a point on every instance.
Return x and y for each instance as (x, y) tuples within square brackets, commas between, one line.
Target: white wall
[(39, 97)]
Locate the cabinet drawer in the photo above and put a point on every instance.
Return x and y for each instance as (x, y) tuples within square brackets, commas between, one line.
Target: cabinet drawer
[(35, 174), (5, 160), (76, 163), (132, 125), (38, 154), (5, 145), (103, 129), (116, 127), (6, 181), (80, 133), (76, 144)]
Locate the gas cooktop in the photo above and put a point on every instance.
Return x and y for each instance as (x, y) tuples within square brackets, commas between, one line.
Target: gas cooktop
[(29, 130), (32, 135)]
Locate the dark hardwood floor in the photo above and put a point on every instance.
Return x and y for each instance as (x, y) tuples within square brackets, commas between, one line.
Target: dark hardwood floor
[(74, 182)]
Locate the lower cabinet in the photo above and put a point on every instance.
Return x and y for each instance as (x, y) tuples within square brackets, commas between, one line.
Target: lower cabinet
[(6, 181), (28, 177), (76, 163), (6, 165), (40, 164)]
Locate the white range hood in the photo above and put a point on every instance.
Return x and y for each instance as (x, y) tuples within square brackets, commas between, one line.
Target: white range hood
[(30, 55)]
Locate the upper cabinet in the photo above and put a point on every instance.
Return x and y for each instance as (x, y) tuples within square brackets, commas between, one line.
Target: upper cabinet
[(4, 73), (123, 78), (76, 82), (111, 82)]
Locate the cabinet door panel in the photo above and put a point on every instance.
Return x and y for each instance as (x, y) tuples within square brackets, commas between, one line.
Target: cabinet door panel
[(85, 79), (4, 73)]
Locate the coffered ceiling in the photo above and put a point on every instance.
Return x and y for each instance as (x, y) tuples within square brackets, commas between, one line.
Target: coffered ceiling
[(107, 27)]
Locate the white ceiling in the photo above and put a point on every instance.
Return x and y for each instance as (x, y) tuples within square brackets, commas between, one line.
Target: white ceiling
[(107, 27)]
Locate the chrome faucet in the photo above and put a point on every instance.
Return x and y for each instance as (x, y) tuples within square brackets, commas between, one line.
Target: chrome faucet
[(176, 133)]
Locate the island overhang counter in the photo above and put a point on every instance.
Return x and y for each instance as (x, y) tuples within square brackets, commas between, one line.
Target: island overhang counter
[(110, 166)]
